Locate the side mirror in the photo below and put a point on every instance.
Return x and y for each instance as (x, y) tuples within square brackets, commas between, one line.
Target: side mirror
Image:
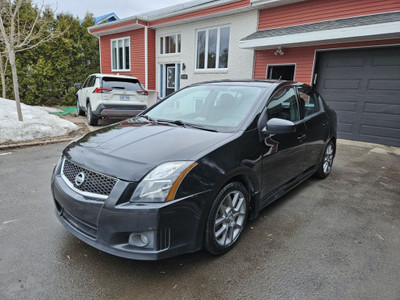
[(279, 126), (78, 85)]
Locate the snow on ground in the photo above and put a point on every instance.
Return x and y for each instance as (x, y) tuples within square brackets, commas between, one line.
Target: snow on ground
[(38, 123)]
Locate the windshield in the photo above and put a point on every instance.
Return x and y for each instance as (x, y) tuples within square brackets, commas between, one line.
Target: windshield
[(216, 106), (121, 83)]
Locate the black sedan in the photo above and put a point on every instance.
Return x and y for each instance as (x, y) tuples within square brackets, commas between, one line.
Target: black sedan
[(190, 171)]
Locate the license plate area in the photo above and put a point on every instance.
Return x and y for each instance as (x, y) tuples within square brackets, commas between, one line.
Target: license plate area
[(124, 98)]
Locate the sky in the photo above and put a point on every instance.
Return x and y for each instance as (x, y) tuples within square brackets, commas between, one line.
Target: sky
[(122, 8)]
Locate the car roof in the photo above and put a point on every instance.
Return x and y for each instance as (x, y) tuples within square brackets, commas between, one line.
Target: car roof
[(101, 75)]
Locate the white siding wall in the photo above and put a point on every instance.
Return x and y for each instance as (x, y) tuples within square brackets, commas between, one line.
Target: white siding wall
[(240, 61)]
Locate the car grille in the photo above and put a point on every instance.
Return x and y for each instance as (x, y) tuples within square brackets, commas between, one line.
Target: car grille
[(94, 184)]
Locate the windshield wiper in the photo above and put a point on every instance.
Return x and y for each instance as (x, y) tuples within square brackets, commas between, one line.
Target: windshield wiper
[(146, 117), (201, 127), (184, 124), (179, 123), (176, 122)]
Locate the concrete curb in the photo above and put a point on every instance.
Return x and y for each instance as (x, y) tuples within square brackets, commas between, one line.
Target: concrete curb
[(39, 143)]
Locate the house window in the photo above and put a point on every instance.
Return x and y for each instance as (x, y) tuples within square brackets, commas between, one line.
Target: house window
[(170, 44), (212, 48), (120, 57), (281, 72)]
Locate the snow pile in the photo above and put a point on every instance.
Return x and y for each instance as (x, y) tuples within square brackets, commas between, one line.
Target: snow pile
[(38, 123)]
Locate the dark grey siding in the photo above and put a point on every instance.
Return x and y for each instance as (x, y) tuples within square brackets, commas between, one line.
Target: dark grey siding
[(363, 86)]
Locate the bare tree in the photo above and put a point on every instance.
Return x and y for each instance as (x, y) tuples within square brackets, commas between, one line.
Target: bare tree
[(20, 34), (3, 69)]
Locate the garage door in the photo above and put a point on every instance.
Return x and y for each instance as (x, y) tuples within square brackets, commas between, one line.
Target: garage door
[(363, 86)]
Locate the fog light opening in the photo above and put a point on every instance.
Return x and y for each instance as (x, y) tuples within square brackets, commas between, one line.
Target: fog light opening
[(138, 240)]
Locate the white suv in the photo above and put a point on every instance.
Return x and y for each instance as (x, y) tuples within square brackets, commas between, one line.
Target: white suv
[(106, 96)]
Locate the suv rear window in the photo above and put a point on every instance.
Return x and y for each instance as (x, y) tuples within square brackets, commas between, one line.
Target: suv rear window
[(121, 83)]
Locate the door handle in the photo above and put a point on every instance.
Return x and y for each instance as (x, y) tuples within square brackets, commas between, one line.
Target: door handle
[(301, 137)]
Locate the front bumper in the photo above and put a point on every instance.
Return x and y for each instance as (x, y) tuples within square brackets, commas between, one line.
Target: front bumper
[(174, 227), (118, 110)]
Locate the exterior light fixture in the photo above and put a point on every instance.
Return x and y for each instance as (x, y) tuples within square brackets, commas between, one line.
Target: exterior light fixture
[(279, 52)]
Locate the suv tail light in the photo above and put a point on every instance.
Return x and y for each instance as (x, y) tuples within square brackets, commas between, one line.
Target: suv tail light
[(98, 90), (144, 93)]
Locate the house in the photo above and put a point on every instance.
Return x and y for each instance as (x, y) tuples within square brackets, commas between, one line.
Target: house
[(106, 18), (349, 50)]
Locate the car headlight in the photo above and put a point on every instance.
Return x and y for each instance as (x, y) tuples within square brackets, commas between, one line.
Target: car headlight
[(161, 183)]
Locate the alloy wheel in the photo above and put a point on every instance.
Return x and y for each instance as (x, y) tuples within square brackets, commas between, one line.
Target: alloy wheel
[(230, 218), (89, 114), (328, 159)]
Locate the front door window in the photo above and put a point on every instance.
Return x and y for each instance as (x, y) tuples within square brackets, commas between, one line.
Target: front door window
[(169, 79)]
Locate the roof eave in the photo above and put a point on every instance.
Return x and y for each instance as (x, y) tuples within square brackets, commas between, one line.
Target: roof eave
[(202, 18), (263, 4), (160, 14), (357, 33), (100, 31)]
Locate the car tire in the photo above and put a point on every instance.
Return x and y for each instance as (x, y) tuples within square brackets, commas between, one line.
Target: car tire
[(227, 218), (91, 119), (79, 110), (325, 166)]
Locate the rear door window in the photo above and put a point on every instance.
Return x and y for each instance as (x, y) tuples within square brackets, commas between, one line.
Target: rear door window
[(308, 102), (283, 105), (88, 82), (121, 84)]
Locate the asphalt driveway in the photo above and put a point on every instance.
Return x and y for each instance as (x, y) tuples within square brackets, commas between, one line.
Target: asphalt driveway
[(330, 239)]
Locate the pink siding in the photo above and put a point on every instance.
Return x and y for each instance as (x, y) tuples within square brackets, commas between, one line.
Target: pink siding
[(303, 57), (136, 55), (321, 10), (151, 46)]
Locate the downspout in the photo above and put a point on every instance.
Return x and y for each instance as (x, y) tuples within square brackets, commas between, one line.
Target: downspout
[(146, 58), (101, 71)]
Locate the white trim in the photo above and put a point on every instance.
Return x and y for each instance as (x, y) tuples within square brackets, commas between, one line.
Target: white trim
[(117, 29), (207, 29), (124, 54), (98, 38), (356, 33), (181, 9), (313, 69), (176, 77), (262, 4), (170, 11), (163, 46), (203, 17), (146, 71), (286, 64)]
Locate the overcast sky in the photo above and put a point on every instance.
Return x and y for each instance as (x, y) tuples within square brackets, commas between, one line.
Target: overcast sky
[(122, 8)]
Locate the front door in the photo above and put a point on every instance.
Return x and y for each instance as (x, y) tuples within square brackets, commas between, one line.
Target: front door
[(170, 79), (316, 122), (283, 154)]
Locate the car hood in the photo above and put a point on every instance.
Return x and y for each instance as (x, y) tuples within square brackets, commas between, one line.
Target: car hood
[(129, 150)]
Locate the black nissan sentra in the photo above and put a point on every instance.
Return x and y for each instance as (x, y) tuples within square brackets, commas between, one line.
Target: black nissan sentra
[(189, 172)]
